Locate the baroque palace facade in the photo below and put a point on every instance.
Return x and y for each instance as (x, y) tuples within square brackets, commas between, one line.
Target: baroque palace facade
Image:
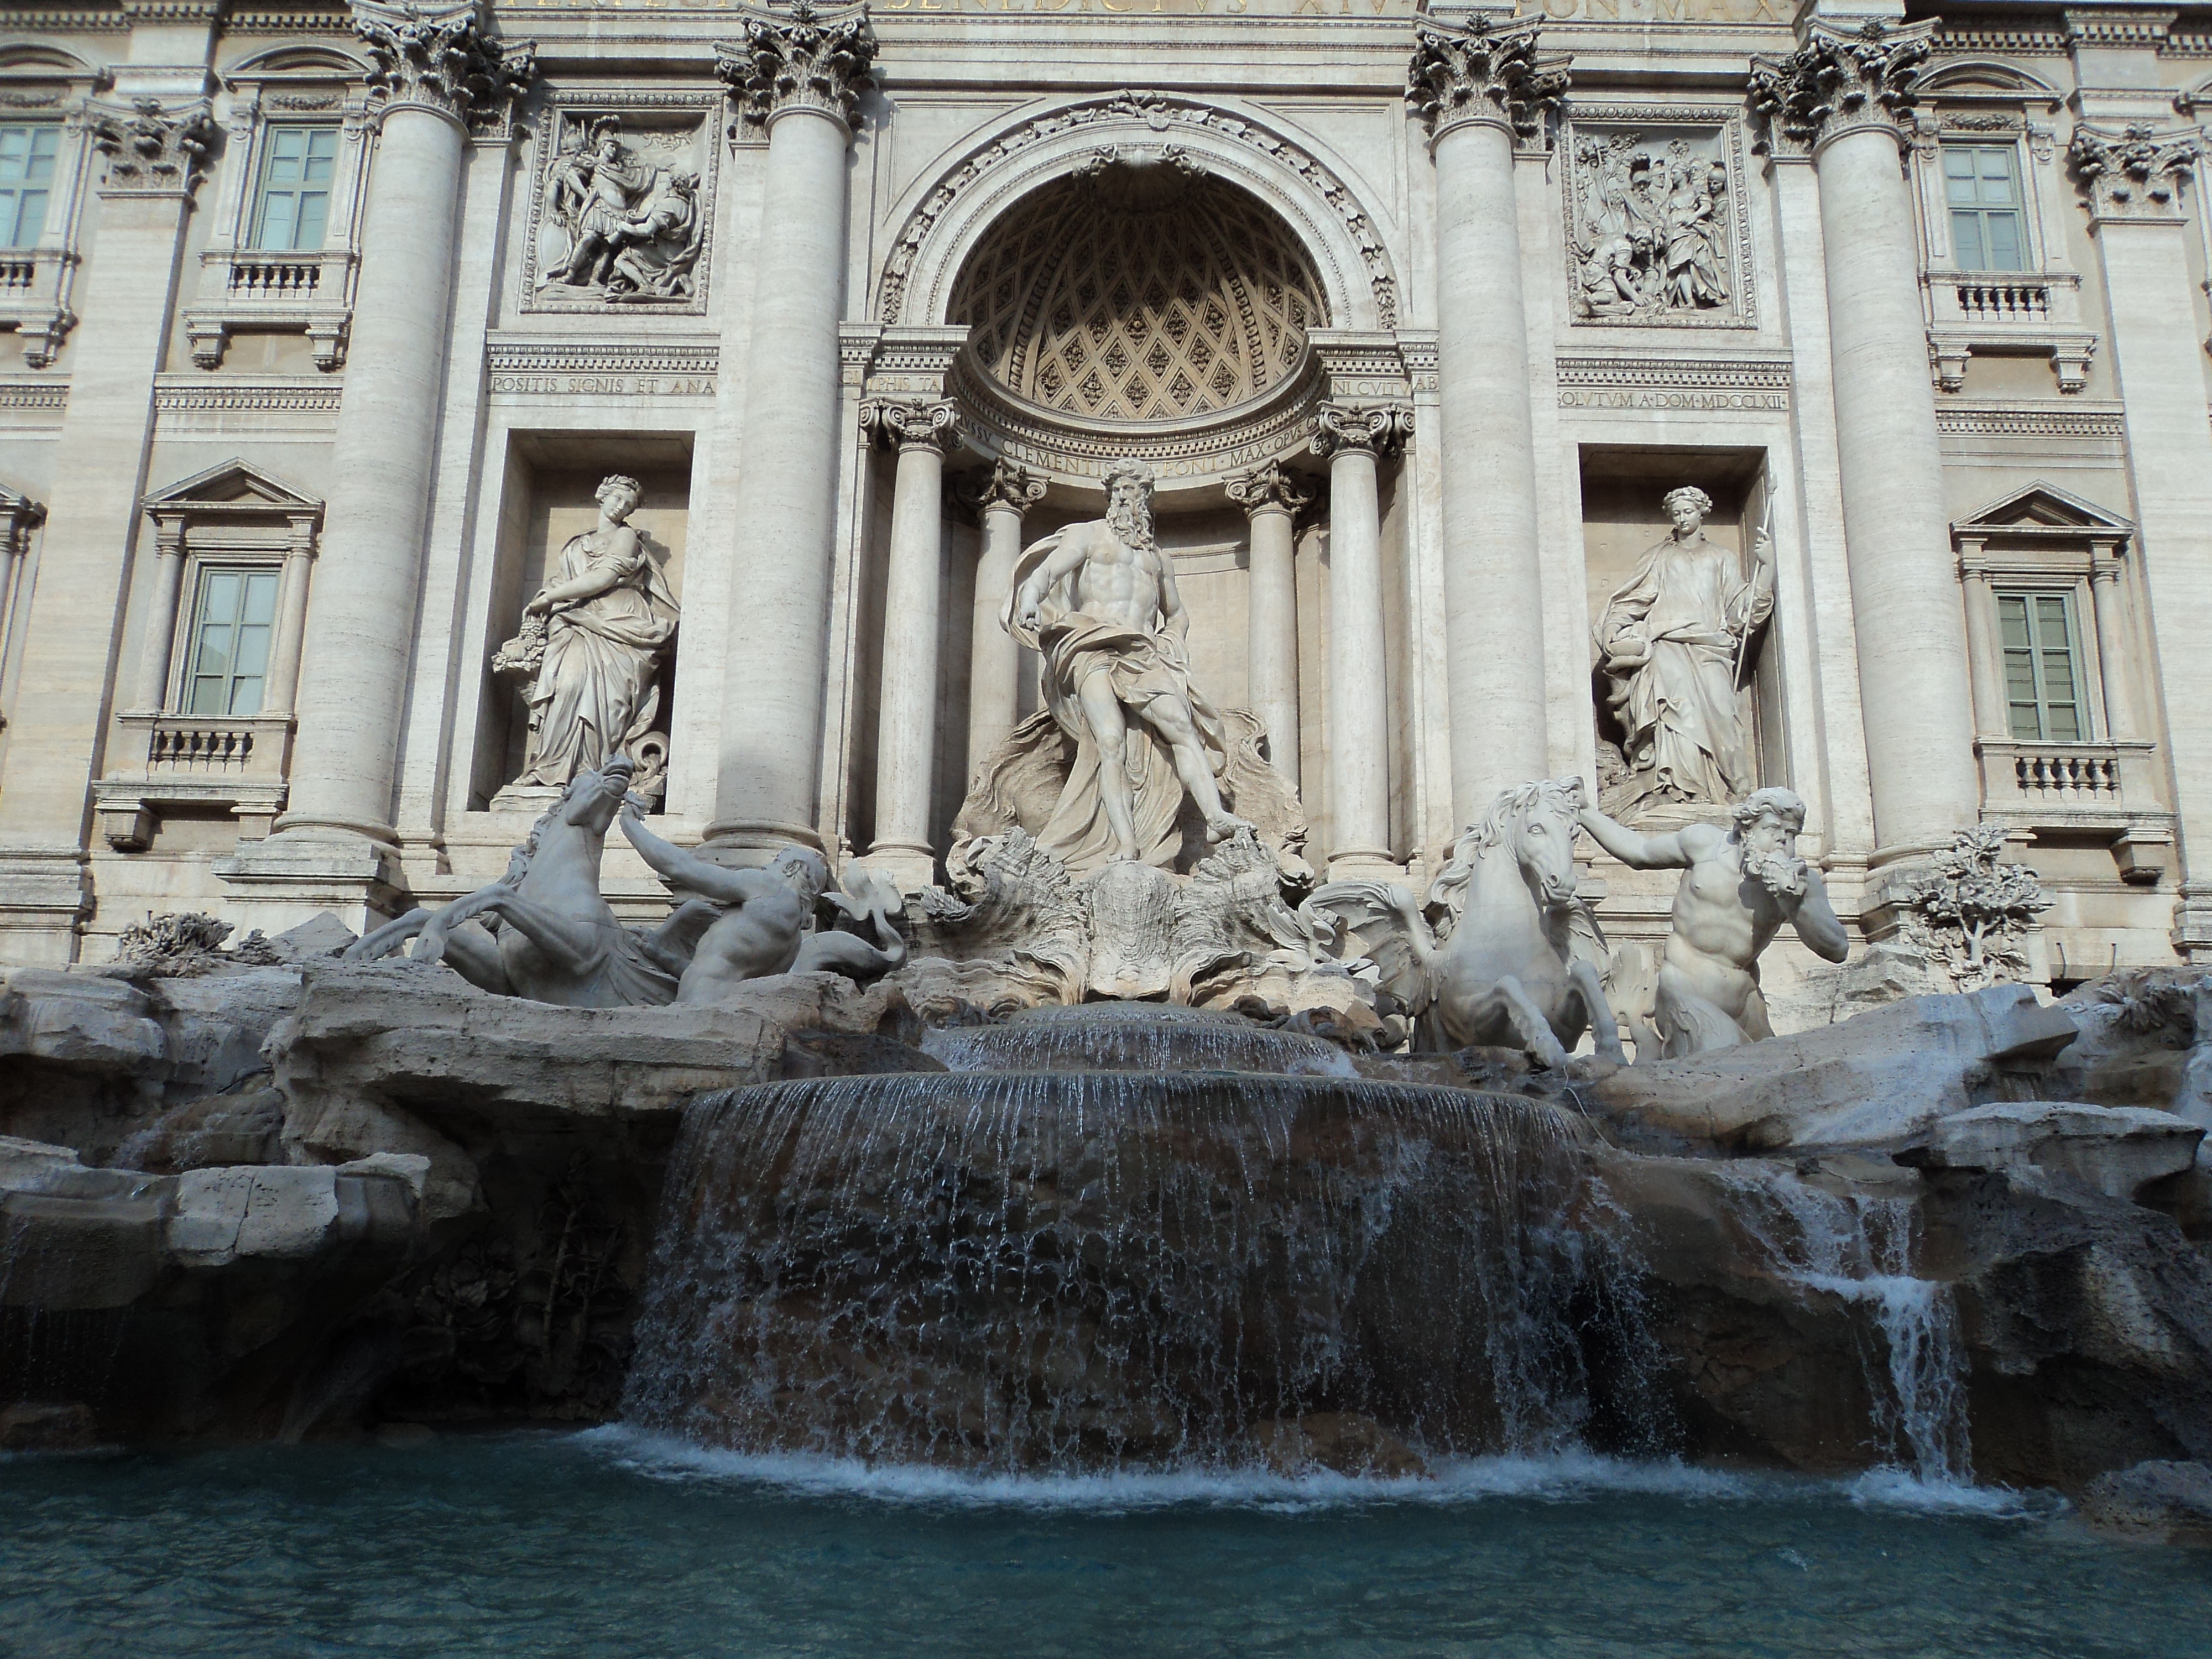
[(402, 407)]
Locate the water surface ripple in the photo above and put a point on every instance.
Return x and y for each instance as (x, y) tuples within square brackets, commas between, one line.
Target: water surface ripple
[(613, 1544)]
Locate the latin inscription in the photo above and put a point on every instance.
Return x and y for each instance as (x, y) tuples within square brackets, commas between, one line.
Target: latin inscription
[(1582, 11), (604, 386), (1660, 397)]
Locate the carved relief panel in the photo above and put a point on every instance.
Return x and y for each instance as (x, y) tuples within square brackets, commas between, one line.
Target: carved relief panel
[(621, 208), (1658, 230)]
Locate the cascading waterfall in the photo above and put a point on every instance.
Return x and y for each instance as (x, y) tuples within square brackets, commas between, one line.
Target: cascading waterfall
[(1181, 1267), (1858, 1247)]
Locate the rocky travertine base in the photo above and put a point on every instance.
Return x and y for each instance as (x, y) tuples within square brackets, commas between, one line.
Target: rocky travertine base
[(301, 1198)]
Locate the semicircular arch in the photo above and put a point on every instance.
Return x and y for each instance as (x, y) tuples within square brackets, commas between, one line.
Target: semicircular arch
[(947, 216)]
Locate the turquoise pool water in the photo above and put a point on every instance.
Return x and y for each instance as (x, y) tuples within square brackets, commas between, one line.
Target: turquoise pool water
[(606, 1544)]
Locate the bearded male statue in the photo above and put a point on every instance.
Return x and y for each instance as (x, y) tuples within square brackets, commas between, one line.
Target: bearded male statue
[(1126, 748)]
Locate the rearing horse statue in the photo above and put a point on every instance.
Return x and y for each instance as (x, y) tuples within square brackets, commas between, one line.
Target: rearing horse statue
[(1504, 953), (552, 937)]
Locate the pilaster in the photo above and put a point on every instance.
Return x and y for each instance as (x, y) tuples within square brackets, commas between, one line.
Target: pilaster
[(994, 655), (1271, 499)]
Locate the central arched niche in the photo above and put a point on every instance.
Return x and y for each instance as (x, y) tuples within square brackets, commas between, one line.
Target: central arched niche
[(1140, 291)]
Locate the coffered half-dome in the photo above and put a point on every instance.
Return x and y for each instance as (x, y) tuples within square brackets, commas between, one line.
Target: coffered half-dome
[(1139, 292)]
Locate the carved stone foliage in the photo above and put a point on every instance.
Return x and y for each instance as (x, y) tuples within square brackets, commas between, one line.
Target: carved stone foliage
[(1840, 80), (1658, 229), (1167, 116), (1484, 71), (624, 202), (2135, 173), (153, 149), (809, 58), (1010, 485), (895, 424), (1970, 912), (1381, 428), (441, 56), (1268, 487)]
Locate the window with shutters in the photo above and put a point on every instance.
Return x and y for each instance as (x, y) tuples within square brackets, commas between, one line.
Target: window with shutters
[(234, 621), (298, 166), (1989, 221), (2044, 699)]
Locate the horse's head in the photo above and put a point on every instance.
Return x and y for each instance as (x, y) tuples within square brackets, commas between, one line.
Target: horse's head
[(1536, 822), (592, 798)]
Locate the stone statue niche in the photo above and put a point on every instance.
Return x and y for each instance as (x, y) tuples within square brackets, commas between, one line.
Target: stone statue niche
[(1129, 759), (592, 657), (1679, 621)]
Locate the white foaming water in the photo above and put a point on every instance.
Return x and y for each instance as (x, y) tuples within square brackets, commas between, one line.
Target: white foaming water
[(1859, 1249), (1566, 1476)]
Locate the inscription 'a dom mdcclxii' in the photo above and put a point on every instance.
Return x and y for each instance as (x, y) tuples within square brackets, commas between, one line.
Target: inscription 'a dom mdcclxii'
[(1585, 11)]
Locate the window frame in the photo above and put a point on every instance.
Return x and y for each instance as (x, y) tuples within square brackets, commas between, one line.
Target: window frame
[(184, 650), (51, 185), (2088, 715), (256, 225), (2020, 209)]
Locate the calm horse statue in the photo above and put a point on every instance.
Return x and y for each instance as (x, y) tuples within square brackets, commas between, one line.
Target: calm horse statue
[(545, 933), (1504, 953)]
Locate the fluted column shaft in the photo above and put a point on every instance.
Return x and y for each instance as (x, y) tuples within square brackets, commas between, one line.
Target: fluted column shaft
[(905, 729), (1474, 86), (1358, 689), (1271, 499), (1915, 689), (994, 655)]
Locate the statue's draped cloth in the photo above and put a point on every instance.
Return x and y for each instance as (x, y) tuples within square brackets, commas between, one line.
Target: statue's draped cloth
[(1140, 664), (1680, 709), (594, 693)]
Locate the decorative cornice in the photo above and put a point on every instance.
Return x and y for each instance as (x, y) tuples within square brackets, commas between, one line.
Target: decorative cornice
[(442, 58), (901, 425), (2101, 26), (1270, 488), (1483, 72), (1381, 429), (2134, 175), (1009, 489), (586, 356), (1841, 81), (153, 149), (800, 59)]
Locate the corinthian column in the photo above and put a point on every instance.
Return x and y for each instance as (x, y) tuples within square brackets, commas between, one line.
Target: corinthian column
[(906, 730), (2133, 175), (436, 70), (1271, 499), (1847, 96), (798, 74), (994, 657), (1358, 694), (1476, 86)]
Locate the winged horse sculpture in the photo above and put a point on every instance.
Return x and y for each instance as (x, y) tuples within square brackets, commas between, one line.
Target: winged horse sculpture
[(1502, 952)]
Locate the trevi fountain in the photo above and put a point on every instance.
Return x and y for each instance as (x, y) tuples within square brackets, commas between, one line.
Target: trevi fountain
[(1269, 827)]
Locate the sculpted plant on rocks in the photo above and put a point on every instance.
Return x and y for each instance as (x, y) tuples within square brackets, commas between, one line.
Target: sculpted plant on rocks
[(1972, 911)]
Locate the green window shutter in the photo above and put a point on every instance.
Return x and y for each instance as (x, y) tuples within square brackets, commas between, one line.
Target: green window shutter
[(233, 623), (27, 174), (2042, 668)]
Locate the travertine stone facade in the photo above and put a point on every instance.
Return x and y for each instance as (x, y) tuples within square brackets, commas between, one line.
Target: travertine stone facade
[(322, 323)]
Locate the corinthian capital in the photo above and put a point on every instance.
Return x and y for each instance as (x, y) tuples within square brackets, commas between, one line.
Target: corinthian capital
[(1841, 81), (153, 149), (2134, 173), (899, 425), (439, 57), (1381, 428), (1267, 489), (1009, 486), (801, 57), (1485, 72)]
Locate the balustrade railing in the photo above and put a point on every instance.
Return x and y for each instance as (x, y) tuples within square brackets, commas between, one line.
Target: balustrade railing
[(276, 279), (1995, 302), (19, 273), (198, 745)]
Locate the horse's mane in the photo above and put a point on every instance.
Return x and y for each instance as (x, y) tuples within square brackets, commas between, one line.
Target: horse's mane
[(1449, 890)]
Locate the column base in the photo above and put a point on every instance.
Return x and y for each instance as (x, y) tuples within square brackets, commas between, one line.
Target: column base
[(305, 870), (2192, 923), (46, 895), (750, 843), (1365, 864), (910, 866)]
